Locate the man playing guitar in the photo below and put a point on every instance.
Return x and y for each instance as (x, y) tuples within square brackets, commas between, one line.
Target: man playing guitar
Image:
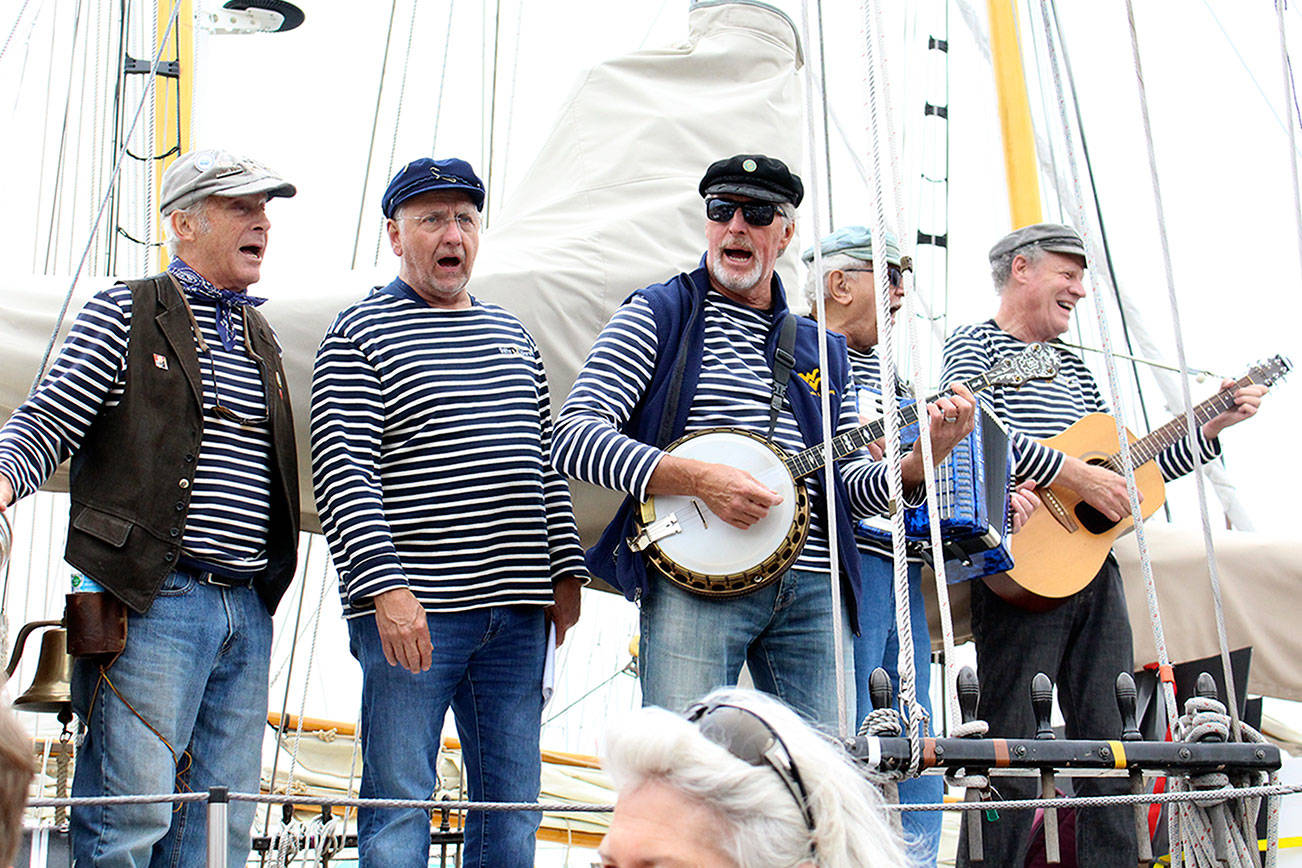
[(698, 352), (1083, 643)]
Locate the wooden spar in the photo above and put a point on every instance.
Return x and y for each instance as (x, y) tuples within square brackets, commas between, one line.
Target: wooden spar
[(167, 125), (1014, 116)]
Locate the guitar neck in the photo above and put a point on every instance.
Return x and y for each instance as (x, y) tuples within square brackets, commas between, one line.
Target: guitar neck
[(810, 459), (1147, 448)]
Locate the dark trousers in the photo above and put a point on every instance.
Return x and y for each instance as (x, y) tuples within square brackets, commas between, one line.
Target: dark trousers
[(1081, 645)]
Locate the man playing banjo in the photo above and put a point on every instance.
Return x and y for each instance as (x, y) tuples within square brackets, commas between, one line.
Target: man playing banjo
[(706, 350)]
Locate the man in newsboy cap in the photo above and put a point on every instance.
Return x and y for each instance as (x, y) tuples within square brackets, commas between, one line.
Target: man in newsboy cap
[(169, 396), (1082, 644), (452, 534), (699, 351)]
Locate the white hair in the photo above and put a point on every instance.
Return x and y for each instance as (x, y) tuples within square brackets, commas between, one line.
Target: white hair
[(763, 826), (197, 211), (816, 284), (1001, 267)]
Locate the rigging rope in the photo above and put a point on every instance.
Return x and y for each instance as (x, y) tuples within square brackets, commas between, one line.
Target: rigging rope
[(108, 193), (443, 75), (375, 123), (12, 30), (884, 140), (1290, 91), (397, 114), (829, 467), (489, 198), (1191, 421)]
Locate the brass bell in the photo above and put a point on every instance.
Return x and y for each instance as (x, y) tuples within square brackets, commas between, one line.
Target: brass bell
[(50, 690)]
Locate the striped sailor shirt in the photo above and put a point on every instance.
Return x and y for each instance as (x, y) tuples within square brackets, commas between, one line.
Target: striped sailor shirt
[(732, 390), (1044, 408), (431, 432), (230, 505)]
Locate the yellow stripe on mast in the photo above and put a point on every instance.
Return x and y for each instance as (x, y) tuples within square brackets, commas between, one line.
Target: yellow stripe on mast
[(1014, 116), (172, 104)]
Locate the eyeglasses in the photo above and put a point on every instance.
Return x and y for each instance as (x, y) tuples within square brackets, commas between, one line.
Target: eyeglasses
[(751, 739), (219, 409), (467, 223), (893, 274), (754, 213)]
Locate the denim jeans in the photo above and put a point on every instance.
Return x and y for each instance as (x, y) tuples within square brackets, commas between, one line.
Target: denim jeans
[(878, 644), (1081, 645), (692, 644), (488, 665), (182, 708)]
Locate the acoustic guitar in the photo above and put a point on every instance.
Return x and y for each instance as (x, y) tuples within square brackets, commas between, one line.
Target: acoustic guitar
[(1062, 546)]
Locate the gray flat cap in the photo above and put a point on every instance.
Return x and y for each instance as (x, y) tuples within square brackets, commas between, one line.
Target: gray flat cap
[(1054, 237), (211, 172)]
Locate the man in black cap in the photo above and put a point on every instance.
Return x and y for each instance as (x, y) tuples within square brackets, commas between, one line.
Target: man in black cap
[(697, 352), (453, 537), (170, 398), (1082, 644)]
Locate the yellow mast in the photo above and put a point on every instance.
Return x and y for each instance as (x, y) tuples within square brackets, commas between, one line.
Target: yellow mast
[(167, 124), (1014, 116)]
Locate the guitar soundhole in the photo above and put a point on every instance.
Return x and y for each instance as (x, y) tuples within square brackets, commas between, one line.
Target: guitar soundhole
[(1092, 520)]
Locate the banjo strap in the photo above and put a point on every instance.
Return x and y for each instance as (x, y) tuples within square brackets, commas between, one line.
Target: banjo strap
[(783, 360), (670, 415)]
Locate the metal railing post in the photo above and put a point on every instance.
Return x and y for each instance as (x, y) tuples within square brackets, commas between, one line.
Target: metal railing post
[(218, 808)]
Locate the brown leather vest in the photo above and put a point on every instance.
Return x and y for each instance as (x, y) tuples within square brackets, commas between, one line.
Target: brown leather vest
[(131, 480)]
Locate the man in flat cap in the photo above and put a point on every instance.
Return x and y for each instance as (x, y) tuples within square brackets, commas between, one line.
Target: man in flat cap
[(453, 537), (699, 351), (1083, 643), (169, 396)]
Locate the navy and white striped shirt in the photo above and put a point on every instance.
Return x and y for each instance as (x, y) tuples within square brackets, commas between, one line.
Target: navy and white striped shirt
[(230, 504), (733, 389), (431, 432), (1044, 408)]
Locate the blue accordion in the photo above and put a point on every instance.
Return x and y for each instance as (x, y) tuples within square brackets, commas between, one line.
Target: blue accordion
[(972, 488)]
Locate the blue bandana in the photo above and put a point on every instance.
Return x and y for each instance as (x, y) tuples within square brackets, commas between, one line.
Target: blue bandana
[(228, 301)]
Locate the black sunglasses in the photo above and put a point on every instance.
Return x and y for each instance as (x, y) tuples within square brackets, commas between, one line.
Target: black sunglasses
[(751, 739), (754, 213), (893, 274)]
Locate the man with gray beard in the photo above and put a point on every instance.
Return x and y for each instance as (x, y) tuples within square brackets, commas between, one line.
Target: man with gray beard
[(698, 352)]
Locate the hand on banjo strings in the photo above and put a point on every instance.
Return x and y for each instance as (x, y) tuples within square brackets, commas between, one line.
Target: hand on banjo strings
[(734, 495)]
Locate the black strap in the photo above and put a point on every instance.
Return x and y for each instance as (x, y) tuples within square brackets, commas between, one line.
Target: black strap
[(783, 360)]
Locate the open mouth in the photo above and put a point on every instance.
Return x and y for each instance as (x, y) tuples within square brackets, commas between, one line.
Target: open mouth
[(738, 255), (253, 251), (1065, 306), (449, 261)]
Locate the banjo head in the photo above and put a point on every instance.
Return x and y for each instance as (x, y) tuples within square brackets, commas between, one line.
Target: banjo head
[(711, 556)]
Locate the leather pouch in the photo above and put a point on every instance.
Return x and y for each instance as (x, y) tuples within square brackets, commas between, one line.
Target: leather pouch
[(97, 624)]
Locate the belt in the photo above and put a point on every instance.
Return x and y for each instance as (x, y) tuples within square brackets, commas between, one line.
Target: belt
[(208, 577)]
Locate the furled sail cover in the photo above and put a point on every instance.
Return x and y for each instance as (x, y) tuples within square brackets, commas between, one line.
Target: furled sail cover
[(609, 205)]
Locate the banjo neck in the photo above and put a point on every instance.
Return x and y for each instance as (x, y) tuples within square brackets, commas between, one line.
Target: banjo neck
[(810, 459)]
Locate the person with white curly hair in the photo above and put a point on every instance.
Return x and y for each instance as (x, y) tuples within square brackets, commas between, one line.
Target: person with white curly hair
[(740, 781)]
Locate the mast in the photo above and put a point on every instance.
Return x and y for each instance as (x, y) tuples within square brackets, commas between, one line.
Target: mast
[(172, 125), (1014, 116)]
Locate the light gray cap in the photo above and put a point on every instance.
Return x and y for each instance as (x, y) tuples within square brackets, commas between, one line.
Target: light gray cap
[(196, 175), (1054, 237)]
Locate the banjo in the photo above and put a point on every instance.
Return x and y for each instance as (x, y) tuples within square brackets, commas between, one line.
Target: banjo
[(698, 551)]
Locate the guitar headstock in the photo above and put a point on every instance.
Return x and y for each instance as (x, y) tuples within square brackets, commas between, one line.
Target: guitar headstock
[(1270, 370), (1036, 362)]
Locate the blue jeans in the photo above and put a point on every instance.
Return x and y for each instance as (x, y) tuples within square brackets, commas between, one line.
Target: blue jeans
[(783, 632), (182, 708), (488, 665), (878, 644)]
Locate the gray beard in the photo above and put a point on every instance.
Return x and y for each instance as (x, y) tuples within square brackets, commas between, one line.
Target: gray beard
[(732, 282)]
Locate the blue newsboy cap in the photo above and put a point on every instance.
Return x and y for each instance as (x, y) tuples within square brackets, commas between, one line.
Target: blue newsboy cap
[(856, 241), (424, 175)]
